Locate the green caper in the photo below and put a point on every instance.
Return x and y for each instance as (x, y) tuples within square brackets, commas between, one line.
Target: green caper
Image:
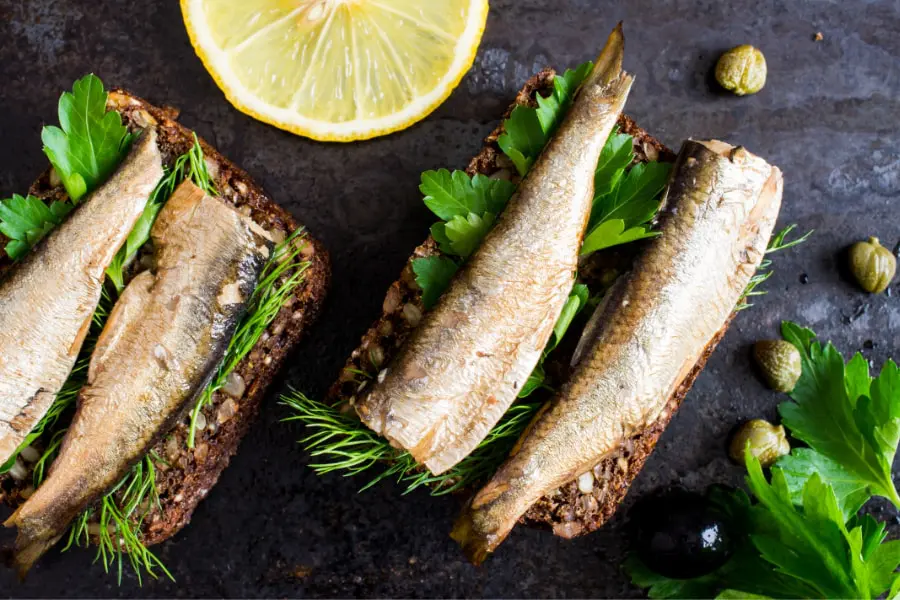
[(767, 442), (779, 362), (873, 265), (742, 70)]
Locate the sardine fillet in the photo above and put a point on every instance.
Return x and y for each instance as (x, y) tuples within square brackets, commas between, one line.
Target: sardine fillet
[(47, 300), (164, 339), (645, 337), (465, 364)]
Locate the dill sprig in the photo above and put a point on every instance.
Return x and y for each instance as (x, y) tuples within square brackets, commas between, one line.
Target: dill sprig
[(340, 442), (764, 272), (120, 517), (279, 279)]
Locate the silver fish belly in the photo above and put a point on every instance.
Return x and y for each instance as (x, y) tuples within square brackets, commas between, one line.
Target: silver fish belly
[(465, 364), (646, 335), (47, 300), (164, 339)]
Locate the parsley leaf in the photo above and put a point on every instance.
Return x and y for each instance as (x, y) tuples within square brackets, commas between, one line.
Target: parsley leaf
[(851, 493), (845, 415), (468, 207), (627, 201), (461, 236), (455, 194), (91, 143), (528, 129), (814, 545), (433, 275), (613, 233), (25, 220), (617, 154)]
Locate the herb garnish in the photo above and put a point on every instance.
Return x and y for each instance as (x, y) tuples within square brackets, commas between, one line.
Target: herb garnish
[(91, 143), (802, 537), (25, 220), (281, 275)]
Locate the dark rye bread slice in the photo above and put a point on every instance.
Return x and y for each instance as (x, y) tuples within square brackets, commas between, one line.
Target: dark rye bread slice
[(186, 476), (567, 512)]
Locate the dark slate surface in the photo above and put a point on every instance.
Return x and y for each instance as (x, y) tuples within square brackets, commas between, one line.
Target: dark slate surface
[(828, 116)]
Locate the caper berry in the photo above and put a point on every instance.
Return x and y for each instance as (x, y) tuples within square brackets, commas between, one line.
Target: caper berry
[(873, 265), (767, 442), (742, 70), (779, 362)]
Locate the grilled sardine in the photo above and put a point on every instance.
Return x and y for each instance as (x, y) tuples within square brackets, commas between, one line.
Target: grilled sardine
[(646, 335), (163, 341), (464, 365), (47, 300)]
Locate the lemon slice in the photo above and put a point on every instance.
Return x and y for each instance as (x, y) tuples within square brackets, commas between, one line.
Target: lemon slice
[(336, 70)]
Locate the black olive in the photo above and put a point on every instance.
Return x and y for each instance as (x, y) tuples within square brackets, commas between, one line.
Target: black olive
[(680, 534)]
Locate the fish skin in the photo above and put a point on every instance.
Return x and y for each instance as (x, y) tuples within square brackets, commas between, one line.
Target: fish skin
[(47, 300), (163, 341), (645, 337), (465, 364)]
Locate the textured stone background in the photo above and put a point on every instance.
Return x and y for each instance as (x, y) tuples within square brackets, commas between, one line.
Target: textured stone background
[(828, 116)]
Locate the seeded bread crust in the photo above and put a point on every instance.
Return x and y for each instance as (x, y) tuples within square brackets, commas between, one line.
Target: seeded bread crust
[(184, 476), (567, 512)]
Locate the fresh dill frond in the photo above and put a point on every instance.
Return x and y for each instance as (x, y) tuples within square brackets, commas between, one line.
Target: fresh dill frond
[(48, 456), (764, 272), (279, 279), (347, 444), (339, 442), (119, 518)]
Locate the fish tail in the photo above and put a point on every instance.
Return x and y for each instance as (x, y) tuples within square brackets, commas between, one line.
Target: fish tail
[(474, 545), (484, 522), (30, 544), (608, 65), (11, 521)]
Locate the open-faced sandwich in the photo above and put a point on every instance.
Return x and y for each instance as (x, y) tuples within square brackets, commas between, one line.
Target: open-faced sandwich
[(540, 340), (149, 293)]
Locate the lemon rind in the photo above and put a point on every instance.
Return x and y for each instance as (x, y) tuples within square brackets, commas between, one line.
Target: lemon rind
[(215, 61)]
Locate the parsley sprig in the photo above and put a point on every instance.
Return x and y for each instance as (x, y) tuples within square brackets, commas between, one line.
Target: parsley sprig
[(467, 207), (850, 421), (625, 200), (802, 537), (25, 220), (87, 148), (90, 143), (528, 129)]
